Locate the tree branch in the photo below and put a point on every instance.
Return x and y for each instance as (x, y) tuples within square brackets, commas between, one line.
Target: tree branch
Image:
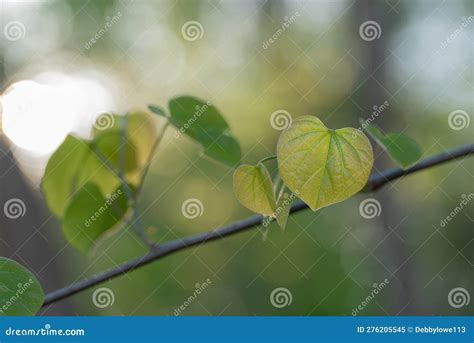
[(375, 182)]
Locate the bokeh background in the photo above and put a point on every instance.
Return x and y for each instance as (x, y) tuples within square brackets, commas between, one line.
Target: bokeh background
[(420, 63)]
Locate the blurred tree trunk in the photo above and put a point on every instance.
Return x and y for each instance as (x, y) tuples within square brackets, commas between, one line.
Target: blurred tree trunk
[(28, 239), (373, 75)]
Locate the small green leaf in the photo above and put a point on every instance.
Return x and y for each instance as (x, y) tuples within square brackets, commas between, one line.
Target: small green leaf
[(323, 166), (202, 122), (20, 292), (157, 110), (71, 166), (399, 146), (254, 189), (283, 207), (90, 214)]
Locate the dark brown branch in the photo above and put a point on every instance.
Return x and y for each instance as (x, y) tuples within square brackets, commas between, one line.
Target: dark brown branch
[(375, 182)]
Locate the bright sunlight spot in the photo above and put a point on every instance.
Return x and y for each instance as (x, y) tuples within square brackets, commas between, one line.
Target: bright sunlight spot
[(38, 114)]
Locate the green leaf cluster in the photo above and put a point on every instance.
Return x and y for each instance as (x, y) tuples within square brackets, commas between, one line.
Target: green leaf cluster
[(90, 185)]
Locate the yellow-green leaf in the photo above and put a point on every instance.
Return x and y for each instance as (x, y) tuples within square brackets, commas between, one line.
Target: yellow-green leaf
[(323, 166), (141, 133), (254, 189)]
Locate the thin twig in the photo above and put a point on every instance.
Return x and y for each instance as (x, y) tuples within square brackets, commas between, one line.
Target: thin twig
[(375, 182), (134, 222)]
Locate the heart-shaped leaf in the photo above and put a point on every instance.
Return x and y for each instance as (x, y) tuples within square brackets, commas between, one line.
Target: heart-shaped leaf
[(254, 189), (323, 166), (399, 146), (20, 292), (90, 214), (202, 122)]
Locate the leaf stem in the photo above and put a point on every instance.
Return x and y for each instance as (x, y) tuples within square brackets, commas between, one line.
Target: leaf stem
[(157, 142), (135, 222), (266, 159)]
